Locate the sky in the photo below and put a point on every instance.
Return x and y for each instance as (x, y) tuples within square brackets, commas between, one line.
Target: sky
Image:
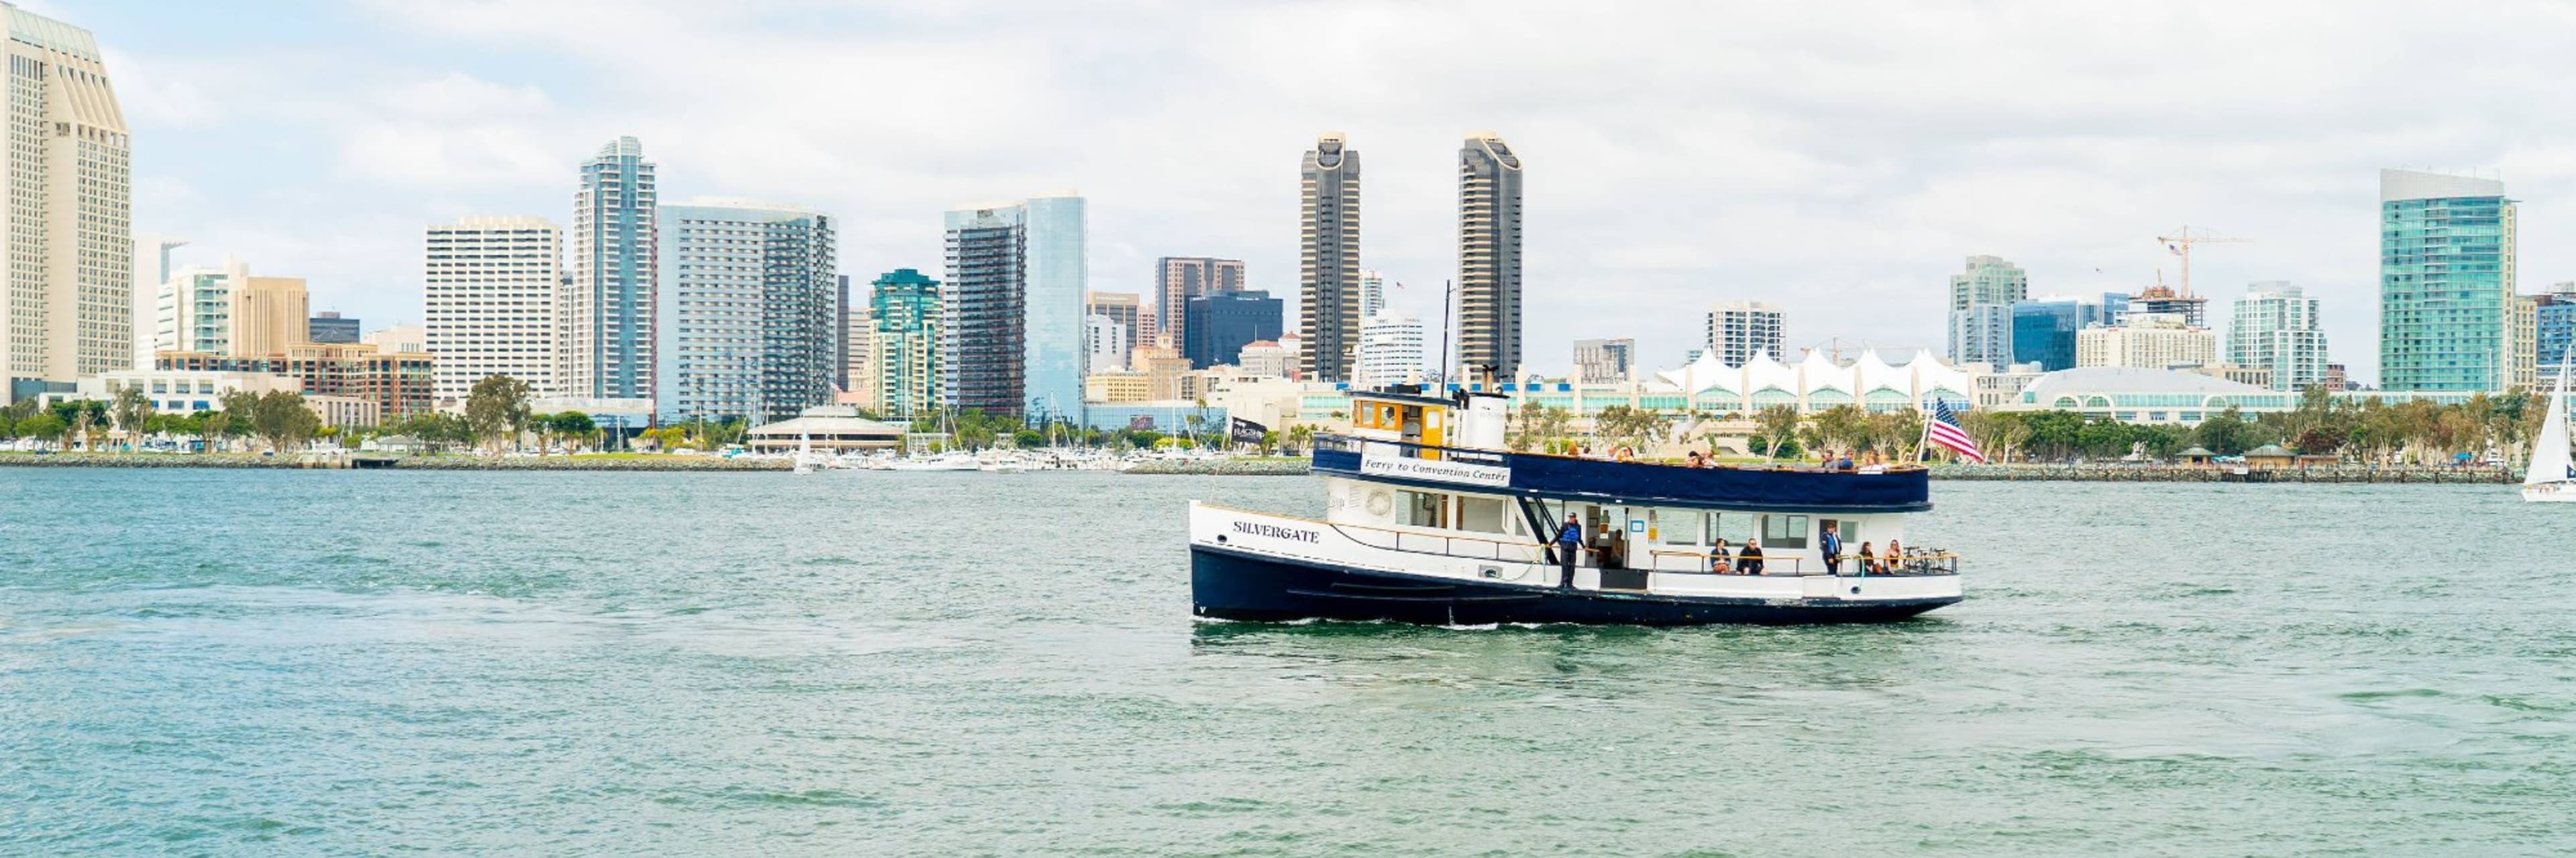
[(1837, 159)]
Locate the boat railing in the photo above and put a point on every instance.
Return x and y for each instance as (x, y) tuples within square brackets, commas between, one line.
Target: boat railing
[(1915, 563), (1357, 444)]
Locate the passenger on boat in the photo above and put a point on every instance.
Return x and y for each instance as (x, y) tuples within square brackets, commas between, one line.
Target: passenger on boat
[(1833, 550), (1895, 556), (1695, 461), (1749, 560), (1844, 463), (1869, 561), (1718, 561), (1569, 542), (1613, 555)]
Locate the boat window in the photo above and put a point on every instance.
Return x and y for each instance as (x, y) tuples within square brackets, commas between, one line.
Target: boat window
[(1849, 530), (1426, 509), (1735, 527), (1784, 531), (1484, 515), (1679, 526)]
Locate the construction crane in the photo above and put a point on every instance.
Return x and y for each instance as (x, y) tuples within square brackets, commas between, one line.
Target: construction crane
[(2180, 243)]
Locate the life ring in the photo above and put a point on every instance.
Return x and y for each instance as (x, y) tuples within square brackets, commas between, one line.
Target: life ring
[(1380, 502)]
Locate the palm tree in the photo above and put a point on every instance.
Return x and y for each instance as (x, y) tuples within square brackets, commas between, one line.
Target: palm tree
[(133, 411)]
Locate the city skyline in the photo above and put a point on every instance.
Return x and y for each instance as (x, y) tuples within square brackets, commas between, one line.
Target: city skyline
[(1843, 202)]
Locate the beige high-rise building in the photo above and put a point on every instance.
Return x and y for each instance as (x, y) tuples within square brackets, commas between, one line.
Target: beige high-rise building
[(489, 286), (68, 308), (2147, 340), (1329, 305), (269, 314), (1489, 259)]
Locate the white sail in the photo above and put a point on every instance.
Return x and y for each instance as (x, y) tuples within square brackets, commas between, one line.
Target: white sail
[(2549, 457)]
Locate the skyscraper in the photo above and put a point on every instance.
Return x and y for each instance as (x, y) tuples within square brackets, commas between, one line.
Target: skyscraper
[(1127, 310), (2274, 327), (2148, 340), (2553, 329), (489, 287), (1605, 360), (1177, 279), (905, 347), (152, 269), (748, 311), (1218, 326), (1014, 307), (1390, 350), (1489, 258), (1105, 338), (68, 310), (1328, 259), (2044, 329), (1738, 330), (193, 312), (1372, 293), (1981, 300), (607, 332), (2446, 282), (269, 314)]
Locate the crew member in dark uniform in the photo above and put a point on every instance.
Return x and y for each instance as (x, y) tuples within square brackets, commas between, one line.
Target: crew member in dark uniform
[(1569, 542)]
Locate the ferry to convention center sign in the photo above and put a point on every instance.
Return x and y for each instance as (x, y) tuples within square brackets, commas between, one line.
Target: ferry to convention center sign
[(1387, 464)]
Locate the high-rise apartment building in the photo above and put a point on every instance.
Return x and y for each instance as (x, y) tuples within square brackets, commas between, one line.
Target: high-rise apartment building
[(2446, 282), (1372, 293), (1015, 305), (152, 270), (1738, 330), (1329, 309), (748, 311), (1605, 360), (2044, 329), (1219, 326), (1489, 259), (67, 309), (2148, 340), (2553, 331), (489, 287), (1127, 309), (331, 327), (607, 332), (1981, 317), (2274, 327), (905, 314), (1179, 278), (1391, 350)]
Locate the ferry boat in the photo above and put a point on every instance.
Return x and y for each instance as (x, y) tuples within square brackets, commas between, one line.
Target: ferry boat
[(1430, 520)]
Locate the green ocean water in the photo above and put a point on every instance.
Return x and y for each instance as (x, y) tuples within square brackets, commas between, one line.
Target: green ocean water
[(373, 663)]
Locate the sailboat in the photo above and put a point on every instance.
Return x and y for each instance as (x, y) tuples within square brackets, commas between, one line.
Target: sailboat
[(806, 461), (2552, 478)]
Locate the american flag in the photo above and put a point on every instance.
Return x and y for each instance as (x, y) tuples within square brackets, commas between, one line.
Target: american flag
[(1945, 431)]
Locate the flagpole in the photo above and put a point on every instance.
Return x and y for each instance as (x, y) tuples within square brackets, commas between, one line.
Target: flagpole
[(1924, 441)]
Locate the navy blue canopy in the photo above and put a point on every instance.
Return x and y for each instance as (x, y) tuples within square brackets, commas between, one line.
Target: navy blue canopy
[(1642, 484)]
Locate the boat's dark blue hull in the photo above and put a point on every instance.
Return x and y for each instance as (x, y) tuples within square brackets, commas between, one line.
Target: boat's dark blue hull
[(1238, 585)]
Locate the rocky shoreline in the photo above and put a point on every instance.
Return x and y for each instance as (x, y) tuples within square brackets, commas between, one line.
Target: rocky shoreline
[(2223, 474), (334, 461), (1224, 467)]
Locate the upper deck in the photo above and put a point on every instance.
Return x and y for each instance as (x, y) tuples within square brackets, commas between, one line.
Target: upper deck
[(1774, 489)]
